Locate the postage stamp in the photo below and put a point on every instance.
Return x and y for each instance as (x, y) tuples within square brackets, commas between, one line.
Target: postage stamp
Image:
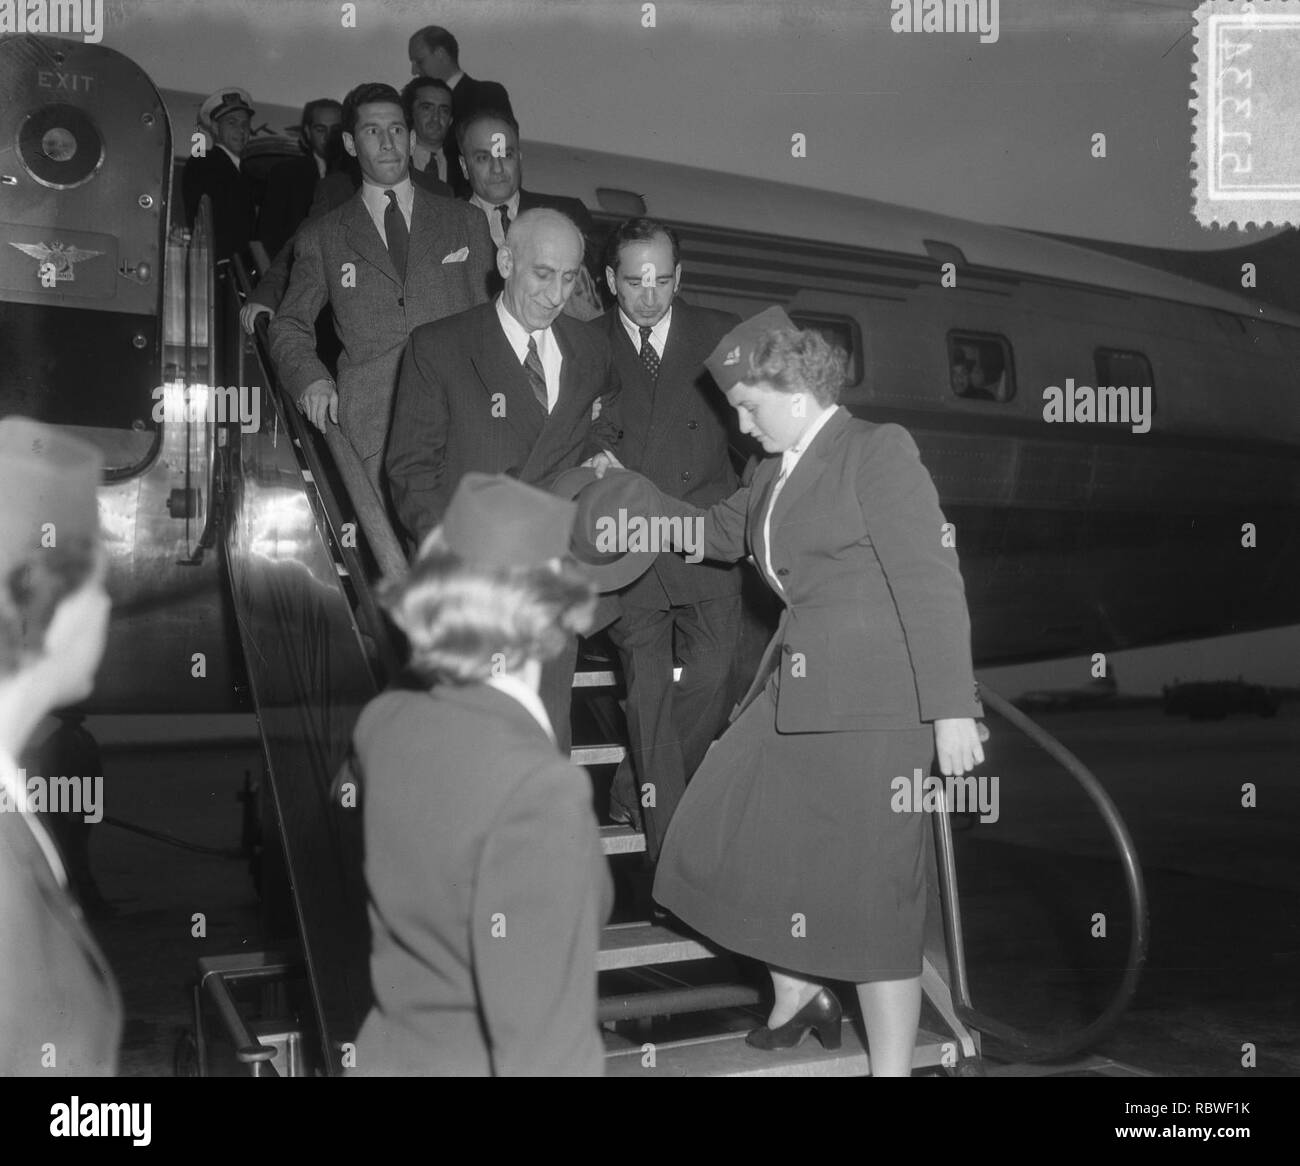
[(1246, 97)]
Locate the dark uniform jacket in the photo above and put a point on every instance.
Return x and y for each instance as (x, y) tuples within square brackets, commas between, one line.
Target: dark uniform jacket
[(875, 632), (487, 889), (234, 206), (60, 1011)]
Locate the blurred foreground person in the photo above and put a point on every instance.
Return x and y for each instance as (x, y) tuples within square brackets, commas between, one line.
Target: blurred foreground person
[(487, 883), (60, 1012)]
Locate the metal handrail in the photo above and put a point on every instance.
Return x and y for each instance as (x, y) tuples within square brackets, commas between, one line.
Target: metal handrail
[(1029, 1047)]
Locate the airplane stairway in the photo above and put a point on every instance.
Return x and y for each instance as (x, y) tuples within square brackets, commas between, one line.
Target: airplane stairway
[(305, 536)]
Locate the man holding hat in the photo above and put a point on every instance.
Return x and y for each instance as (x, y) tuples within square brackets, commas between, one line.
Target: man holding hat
[(218, 173), (60, 1011)]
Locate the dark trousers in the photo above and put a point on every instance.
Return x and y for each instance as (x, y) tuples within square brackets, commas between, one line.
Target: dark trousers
[(556, 691), (670, 726)]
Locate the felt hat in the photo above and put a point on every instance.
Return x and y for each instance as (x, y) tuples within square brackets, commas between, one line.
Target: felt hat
[(607, 509), (496, 521)]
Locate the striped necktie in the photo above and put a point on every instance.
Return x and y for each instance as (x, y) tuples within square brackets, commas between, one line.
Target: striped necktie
[(536, 374)]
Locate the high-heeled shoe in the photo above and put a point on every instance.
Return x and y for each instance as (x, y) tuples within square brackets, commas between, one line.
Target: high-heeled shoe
[(822, 1014)]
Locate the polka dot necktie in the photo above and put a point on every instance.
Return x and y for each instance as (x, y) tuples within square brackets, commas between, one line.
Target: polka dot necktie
[(649, 357)]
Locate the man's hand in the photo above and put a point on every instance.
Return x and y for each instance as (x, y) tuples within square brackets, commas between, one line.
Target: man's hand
[(320, 400), (603, 461), (248, 315), (957, 742)]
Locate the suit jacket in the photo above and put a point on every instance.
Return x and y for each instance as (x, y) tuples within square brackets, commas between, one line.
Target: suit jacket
[(675, 433), (464, 403), (55, 987), (290, 188), (234, 205), (331, 191), (374, 318), (875, 633), (487, 889)]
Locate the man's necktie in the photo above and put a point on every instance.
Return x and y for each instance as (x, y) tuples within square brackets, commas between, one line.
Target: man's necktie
[(504, 212), (399, 238), (649, 357), (536, 375)]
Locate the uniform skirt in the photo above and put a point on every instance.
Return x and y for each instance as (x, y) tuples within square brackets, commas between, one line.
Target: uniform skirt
[(785, 848)]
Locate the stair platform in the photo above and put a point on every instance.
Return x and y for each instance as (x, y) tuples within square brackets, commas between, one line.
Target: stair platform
[(638, 945), (727, 1055)]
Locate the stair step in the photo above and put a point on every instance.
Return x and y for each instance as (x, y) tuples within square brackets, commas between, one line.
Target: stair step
[(636, 945), (597, 754), (621, 840), (727, 1055)]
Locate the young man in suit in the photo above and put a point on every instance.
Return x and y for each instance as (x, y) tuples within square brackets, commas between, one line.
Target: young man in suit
[(675, 433), (391, 258), (512, 387), (218, 173), (491, 160), (434, 52), (291, 185), (427, 102)]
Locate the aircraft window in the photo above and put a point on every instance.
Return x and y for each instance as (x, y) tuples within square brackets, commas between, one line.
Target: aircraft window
[(980, 366), (1116, 367), (841, 332)]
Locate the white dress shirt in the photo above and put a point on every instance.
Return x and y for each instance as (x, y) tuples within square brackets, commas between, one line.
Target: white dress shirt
[(658, 334), (513, 687), (548, 349), (420, 155), (494, 216), (15, 791), (789, 459), (320, 164), (376, 200)]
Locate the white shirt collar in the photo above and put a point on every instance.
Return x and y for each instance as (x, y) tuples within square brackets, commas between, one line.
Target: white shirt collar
[(517, 334), (15, 793), (512, 686), (493, 218), (454, 79), (376, 200), (320, 164), (790, 458), (232, 156), (658, 334)]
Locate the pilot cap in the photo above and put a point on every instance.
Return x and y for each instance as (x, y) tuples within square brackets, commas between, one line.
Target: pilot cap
[(49, 481), (729, 363), (226, 101)]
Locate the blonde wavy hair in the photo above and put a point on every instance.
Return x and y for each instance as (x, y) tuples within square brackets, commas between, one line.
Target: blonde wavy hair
[(466, 623), (794, 360)]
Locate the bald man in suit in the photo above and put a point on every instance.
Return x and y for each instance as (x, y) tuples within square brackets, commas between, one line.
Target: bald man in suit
[(510, 387)]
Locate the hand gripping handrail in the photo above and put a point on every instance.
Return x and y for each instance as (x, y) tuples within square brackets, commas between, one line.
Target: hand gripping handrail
[(1026, 1046)]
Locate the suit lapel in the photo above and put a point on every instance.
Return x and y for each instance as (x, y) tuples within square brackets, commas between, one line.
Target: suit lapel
[(426, 231), (808, 469), (364, 238), (567, 416), (499, 371), (675, 383)]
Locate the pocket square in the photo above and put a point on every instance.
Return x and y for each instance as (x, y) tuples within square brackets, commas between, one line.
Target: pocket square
[(457, 256)]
